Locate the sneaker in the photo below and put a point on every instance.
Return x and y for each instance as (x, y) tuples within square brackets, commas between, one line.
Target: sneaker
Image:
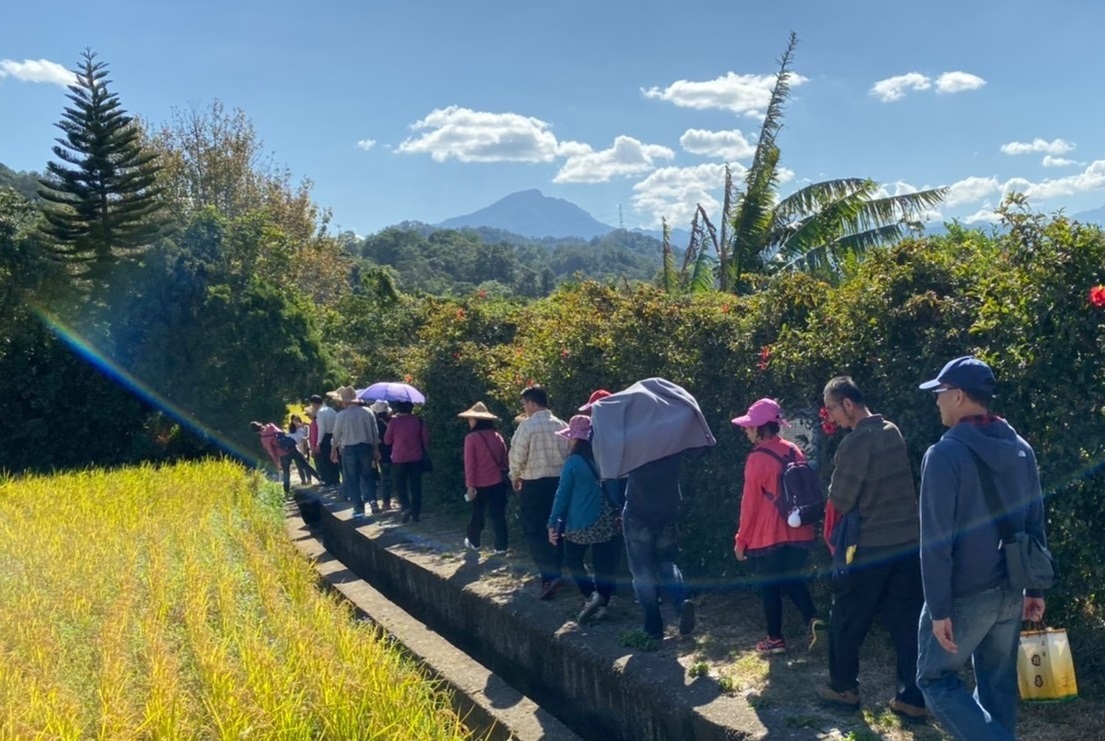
[(375, 508), (847, 699), (469, 546), (593, 603), (360, 518), (686, 617), (769, 646), (908, 711), (817, 625)]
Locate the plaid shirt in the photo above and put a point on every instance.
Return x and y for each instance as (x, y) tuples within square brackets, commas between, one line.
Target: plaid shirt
[(536, 451)]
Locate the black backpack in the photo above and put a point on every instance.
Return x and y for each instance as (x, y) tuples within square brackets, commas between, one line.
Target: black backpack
[(799, 489), (285, 442)]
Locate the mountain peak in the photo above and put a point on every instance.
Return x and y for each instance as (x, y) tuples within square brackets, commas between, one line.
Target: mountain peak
[(533, 214)]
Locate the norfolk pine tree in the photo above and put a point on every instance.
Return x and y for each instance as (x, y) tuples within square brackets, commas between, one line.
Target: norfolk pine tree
[(103, 201)]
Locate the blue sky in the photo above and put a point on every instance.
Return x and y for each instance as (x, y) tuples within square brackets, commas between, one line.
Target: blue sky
[(404, 110)]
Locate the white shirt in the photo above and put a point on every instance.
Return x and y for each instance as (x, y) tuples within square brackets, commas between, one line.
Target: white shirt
[(325, 418)]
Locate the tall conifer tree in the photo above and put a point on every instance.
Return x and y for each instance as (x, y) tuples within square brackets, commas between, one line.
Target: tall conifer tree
[(104, 201)]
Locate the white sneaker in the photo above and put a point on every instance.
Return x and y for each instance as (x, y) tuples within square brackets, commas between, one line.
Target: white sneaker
[(469, 546), (594, 602)]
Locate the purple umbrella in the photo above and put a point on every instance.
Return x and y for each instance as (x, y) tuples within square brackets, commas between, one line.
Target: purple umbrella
[(391, 391)]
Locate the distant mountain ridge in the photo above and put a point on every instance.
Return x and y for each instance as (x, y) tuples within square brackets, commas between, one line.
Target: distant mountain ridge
[(531, 213)]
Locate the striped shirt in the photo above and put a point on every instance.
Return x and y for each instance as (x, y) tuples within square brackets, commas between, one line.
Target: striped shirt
[(536, 451), (872, 473)]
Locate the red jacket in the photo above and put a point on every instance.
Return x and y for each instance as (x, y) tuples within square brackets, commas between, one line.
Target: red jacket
[(761, 525), (485, 458)]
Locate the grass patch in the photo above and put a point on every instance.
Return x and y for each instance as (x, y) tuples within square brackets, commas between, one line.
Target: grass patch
[(638, 639), (169, 603), (698, 669)]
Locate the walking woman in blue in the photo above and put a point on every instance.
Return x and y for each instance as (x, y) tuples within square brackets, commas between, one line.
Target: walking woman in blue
[(584, 516)]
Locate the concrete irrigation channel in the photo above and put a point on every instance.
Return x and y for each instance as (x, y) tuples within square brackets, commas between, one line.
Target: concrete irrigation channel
[(518, 667)]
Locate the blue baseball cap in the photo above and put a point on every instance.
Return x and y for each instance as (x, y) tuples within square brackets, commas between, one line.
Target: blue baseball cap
[(967, 373)]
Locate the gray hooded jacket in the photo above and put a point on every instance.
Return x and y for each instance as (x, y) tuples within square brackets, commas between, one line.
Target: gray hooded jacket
[(959, 538)]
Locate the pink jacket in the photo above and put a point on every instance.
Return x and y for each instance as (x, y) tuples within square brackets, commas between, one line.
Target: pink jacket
[(407, 435), (485, 458), (268, 442), (761, 525)]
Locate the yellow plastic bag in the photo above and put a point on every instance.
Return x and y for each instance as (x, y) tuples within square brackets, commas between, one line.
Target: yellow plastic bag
[(1045, 667)]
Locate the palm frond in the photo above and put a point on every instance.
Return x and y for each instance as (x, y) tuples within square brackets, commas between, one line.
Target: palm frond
[(809, 199), (723, 243)]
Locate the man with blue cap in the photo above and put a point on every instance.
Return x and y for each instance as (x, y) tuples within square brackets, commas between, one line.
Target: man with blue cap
[(972, 612)]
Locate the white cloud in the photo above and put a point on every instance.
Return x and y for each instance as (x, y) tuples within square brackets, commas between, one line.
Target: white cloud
[(1055, 146), (674, 192), (895, 88), (366, 144), (784, 175), (36, 70), (958, 82), (626, 157), (729, 145), (971, 190), (479, 136), (1050, 161), (984, 215), (1092, 178), (747, 94)]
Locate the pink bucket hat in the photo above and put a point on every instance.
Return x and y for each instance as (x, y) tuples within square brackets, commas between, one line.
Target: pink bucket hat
[(760, 413), (579, 428)]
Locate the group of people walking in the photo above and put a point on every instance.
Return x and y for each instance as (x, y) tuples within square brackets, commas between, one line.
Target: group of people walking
[(929, 564), (370, 453)]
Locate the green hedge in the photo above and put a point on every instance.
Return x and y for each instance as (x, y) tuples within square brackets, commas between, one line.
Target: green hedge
[(1018, 299)]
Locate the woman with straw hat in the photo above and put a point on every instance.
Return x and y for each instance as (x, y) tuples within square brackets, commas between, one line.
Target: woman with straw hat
[(485, 474)]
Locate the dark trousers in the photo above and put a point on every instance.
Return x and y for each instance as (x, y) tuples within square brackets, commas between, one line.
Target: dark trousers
[(780, 572), (493, 500), (604, 558), (300, 463), (408, 486), (651, 552), (537, 498), (383, 489), (879, 580), (328, 470)]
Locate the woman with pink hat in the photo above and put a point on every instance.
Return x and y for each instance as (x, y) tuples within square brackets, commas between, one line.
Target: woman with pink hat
[(583, 515), (778, 549)]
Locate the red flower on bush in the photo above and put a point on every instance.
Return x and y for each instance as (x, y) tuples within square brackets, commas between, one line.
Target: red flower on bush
[(460, 313), (827, 425), (481, 294), (408, 378), (765, 355), (564, 352), (725, 308), (1097, 296), (456, 356)]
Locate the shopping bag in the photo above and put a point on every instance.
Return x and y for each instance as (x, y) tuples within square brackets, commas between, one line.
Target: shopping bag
[(1045, 667)]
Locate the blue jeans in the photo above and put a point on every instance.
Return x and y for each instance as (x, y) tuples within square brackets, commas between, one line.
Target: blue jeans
[(358, 484), (651, 553), (986, 627)]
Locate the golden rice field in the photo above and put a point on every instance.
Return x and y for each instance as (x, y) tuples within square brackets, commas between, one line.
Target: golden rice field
[(168, 604)]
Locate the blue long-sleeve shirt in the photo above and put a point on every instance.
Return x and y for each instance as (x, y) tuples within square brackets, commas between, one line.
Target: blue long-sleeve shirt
[(959, 537), (578, 497)]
